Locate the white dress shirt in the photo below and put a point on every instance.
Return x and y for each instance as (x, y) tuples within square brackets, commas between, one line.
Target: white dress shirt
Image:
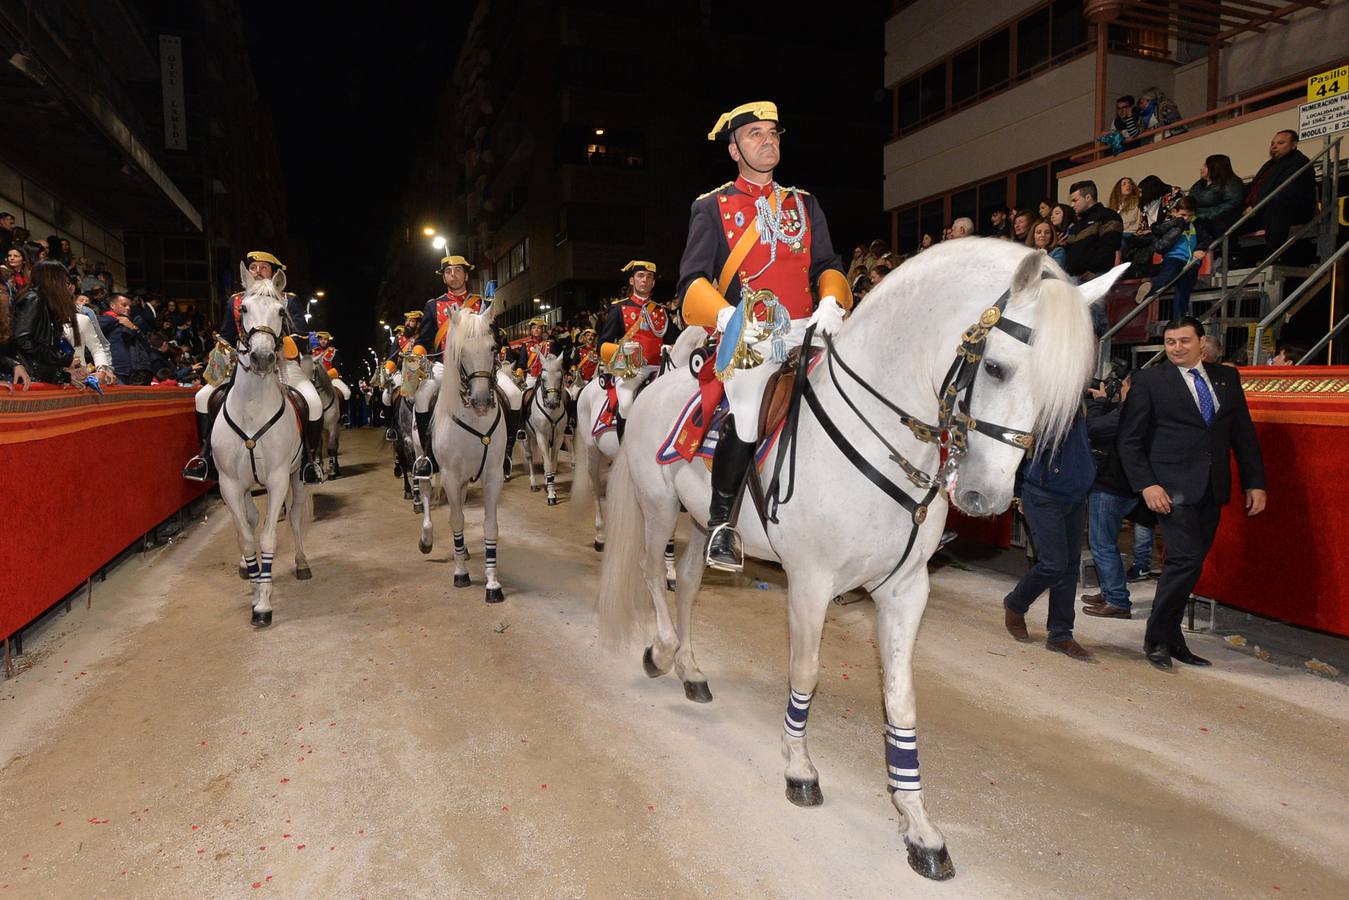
[(1189, 383)]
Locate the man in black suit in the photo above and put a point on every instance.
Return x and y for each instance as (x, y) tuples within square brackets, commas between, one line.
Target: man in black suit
[(1295, 205), (1179, 423)]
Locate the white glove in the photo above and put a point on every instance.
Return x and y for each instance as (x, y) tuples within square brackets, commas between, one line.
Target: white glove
[(723, 316), (828, 316)]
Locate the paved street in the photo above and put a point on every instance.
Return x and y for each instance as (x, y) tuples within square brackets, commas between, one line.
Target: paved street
[(391, 736)]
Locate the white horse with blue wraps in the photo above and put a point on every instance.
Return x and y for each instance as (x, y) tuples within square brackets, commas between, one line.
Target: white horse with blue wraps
[(546, 425), (976, 347), (257, 442), (468, 440)]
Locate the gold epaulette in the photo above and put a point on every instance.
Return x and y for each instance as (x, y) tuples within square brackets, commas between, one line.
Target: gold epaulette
[(715, 190), (802, 191)]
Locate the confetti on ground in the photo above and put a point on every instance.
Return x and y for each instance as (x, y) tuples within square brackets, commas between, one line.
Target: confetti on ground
[(1236, 640), (1324, 669)]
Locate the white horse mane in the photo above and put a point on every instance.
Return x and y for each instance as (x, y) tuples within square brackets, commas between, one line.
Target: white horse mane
[(466, 329)]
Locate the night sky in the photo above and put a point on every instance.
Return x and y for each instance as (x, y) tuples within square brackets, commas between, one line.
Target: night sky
[(351, 96)]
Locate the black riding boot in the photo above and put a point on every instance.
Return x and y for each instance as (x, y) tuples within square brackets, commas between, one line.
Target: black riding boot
[(201, 467), (730, 462), (390, 426), (312, 470), (426, 463)]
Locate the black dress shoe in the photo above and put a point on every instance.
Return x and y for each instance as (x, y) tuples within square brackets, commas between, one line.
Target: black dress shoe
[(1183, 654), (1159, 656)]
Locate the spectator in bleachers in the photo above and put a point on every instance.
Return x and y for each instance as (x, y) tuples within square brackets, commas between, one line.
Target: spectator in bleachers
[(11, 368), (1044, 208), (1094, 239), (1179, 241), (1210, 349), (39, 316), (6, 231), (130, 357), (1218, 194), (1043, 236), (925, 241), (1124, 135), (962, 227), (1124, 200), (1156, 198), (998, 224), (20, 267), (879, 271), (1021, 223), (1295, 205)]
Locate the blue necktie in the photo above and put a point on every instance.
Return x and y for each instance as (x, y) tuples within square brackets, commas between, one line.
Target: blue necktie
[(1205, 397)]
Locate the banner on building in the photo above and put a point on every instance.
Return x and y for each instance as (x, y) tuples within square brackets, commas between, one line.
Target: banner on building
[(171, 77)]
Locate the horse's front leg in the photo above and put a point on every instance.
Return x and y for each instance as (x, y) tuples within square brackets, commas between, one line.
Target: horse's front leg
[(689, 582), (276, 498), (807, 603), (899, 609), (455, 495), (422, 504), (551, 451), (531, 436), (491, 494), (595, 460), (245, 513), (297, 505)]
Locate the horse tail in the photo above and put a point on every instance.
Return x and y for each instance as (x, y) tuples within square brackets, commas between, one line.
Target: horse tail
[(623, 602)]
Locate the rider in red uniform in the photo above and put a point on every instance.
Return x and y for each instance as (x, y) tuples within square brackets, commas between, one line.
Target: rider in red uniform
[(634, 332), (529, 356)]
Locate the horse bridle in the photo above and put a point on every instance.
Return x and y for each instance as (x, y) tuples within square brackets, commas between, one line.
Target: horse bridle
[(244, 343), (950, 433), (466, 378)]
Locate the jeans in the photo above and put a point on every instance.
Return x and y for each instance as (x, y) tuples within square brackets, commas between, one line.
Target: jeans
[(1056, 532), (1144, 536), (1180, 300), (1106, 512)]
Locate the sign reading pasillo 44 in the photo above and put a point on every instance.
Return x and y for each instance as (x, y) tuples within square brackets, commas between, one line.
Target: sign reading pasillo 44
[(1328, 84)]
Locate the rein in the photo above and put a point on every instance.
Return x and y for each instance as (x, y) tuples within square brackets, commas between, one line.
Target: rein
[(950, 433)]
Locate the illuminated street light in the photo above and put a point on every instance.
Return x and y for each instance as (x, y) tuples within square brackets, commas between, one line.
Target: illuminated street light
[(319, 294), (438, 242), (429, 231), (599, 132)]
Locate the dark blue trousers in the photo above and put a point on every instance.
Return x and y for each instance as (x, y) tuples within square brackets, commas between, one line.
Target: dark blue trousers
[(1056, 532)]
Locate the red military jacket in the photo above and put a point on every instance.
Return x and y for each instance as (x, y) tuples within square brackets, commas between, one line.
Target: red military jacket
[(325, 355), (652, 324), (588, 363), (801, 251), (531, 356), (436, 318)]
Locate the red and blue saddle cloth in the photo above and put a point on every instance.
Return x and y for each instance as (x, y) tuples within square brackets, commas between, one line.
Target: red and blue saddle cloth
[(698, 425)]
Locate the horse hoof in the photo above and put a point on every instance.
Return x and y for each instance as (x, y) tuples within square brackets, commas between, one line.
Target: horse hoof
[(804, 793), (933, 864), (407, 495), (397, 471), (671, 584), (534, 488), (698, 691), (599, 546), (462, 580), (303, 574), (495, 595), (262, 619), (649, 665), (417, 507), (424, 545), (243, 572), (552, 501)]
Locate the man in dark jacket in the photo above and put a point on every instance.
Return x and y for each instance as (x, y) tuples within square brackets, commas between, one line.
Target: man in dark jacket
[(1094, 239), (1111, 500), (1182, 421), (1054, 491), (1296, 204)]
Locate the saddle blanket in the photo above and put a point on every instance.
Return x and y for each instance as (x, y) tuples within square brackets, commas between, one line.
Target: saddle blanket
[(605, 421)]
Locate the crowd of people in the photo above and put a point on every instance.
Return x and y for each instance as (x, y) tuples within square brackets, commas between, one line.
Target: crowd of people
[(62, 321)]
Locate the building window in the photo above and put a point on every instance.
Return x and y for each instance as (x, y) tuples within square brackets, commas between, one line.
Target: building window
[(515, 262), (1049, 34), (596, 145)]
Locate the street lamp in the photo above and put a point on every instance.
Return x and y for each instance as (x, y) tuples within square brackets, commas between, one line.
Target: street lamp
[(429, 231), (319, 294), (438, 242)]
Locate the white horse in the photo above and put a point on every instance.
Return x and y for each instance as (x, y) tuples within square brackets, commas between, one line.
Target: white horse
[(257, 442), (972, 347), (546, 425), (332, 413), (592, 455), (468, 440)]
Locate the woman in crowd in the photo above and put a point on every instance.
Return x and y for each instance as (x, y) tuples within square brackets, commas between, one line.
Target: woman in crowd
[(1021, 223), (1044, 236), (1044, 208), (39, 316), (1218, 194), (1124, 200), (1155, 197), (925, 241), (21, 270), (172, 315), (10, 368)]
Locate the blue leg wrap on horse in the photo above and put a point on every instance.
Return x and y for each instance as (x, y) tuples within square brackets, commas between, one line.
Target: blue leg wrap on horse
[(251, 563), (901, 758), (459, 546), (798, 707), (265, 576), (490, 552)]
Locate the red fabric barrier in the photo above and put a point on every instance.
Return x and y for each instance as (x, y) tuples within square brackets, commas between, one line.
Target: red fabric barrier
[(1290, 562), (82, 476)]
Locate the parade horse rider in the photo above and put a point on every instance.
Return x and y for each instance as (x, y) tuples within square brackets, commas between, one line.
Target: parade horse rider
[(755, 250), (210, 398), (633, 334), (431, 342), (327, 357)]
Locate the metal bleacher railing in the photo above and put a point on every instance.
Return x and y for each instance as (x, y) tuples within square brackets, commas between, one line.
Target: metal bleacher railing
[(1323, 223)]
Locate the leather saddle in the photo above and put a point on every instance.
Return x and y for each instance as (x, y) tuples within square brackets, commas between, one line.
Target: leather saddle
[(777, 397)]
